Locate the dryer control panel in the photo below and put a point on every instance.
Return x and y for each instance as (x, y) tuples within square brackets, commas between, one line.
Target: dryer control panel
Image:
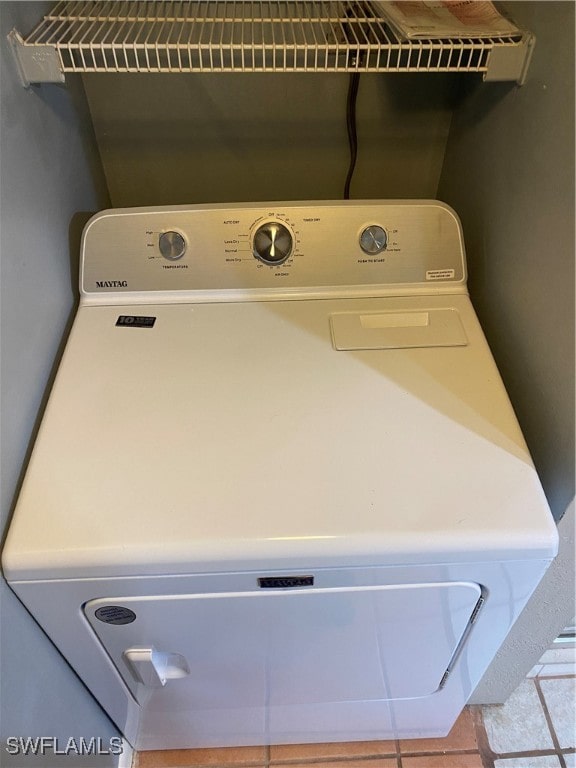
[(273, 250)]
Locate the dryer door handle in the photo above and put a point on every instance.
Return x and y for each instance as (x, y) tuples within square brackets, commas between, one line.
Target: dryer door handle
[(154, 668)]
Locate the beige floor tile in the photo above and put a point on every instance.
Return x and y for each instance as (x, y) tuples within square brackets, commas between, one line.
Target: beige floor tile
[(559, 656), (347, 749), (462, 736), (443, 761), (519, 725), (553, 670), (185, 758), (560, 697)]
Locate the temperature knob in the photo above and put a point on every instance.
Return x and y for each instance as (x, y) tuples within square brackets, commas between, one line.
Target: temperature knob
[(172, 245), (272, 243), (373, 239)]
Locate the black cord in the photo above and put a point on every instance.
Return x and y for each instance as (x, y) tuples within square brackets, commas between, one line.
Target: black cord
[(351, 125)]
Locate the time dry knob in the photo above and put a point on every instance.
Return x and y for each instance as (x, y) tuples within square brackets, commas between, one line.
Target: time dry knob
[(272, 243)]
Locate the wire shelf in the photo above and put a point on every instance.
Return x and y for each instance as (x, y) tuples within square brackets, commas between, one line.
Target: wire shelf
[(236, 36)]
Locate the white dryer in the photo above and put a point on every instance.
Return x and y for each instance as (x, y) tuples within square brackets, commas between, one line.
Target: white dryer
[(279, 493)]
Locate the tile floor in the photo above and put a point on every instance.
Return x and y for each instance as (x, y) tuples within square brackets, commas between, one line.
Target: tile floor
[(535, 728)]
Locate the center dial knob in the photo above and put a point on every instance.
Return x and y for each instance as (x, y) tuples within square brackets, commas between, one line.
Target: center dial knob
[(272, 243)]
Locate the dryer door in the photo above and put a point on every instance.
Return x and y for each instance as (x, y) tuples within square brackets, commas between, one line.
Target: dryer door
[(287, 647), (238, 655)]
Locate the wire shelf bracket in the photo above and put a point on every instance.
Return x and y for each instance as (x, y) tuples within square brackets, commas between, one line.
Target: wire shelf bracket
[(235, 36), (35, 64), (511, 63)]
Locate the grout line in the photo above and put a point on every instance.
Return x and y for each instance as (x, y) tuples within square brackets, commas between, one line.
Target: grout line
[(397, 748), (486, 754), (286, 763), (540, 693), (333, 759), (445, 752), (562, 755), (527, 753), (219, 764)]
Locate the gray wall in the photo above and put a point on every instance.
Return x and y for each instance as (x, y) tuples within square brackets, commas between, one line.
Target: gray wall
[(49, 172), (509, 172), (168, 139)]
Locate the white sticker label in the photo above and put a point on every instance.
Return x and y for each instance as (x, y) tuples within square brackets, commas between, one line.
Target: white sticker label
[(440, 274)]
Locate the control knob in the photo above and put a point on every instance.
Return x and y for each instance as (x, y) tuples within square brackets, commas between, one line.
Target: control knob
[(272, 243), (172, 245), (373, 239)]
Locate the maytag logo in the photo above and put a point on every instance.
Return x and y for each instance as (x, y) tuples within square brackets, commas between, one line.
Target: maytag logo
[(285, 582), (112, 283)]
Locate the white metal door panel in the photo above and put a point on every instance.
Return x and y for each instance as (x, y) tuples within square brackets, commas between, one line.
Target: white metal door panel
[(284, 648)]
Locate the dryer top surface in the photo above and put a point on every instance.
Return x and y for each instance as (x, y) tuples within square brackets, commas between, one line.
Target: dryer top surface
[(280, 434)]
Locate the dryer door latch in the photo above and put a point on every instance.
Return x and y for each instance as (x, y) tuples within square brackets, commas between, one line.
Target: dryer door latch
[(154, 668)]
